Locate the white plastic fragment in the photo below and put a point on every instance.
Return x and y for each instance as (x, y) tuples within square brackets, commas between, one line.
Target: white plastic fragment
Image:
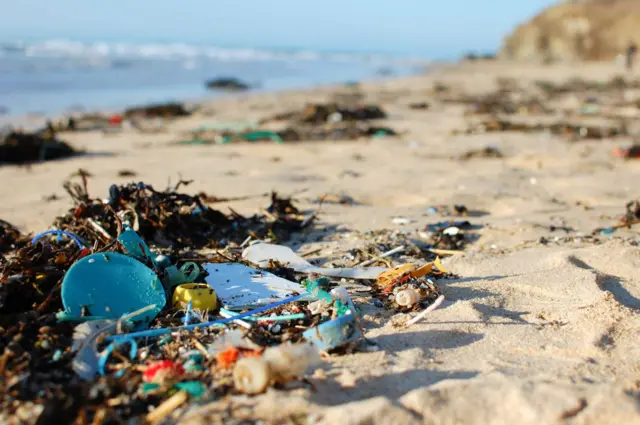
[(278, 364), (239, 286), (260, 254)]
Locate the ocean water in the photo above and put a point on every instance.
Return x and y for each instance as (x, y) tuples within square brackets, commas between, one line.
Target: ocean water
[(57, 76)]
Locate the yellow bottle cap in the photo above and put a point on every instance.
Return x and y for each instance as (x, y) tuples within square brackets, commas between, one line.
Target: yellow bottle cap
[(201, 295)]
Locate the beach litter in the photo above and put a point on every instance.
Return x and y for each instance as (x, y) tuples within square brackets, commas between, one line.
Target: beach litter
[(322, 113), (632, 152), (335, 131), (630, 218), (131, 302), (572, 132), (261, 254)]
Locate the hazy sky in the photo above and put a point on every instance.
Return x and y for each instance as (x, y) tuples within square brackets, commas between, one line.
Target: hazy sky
[(434, 27)]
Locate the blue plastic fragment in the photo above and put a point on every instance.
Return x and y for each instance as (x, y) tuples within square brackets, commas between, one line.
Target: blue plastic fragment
[(164, 331), (111, 285), (607, 231), (134, 245), (57, 355), (187, 315), (104, 358), (59, 233), (334, 333)]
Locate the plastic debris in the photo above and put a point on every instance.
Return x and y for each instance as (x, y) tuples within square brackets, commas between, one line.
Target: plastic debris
[(200, 295), (85, 336), (111, 285), (163, 371), (632, 152), (239, 286), (334, 333), (260, 254), (278, 364), (428, 310)]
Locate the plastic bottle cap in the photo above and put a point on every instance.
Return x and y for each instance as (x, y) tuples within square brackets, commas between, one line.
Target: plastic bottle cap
[(201, 295)]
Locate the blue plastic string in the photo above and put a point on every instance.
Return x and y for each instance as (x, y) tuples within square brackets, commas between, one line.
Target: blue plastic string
[(58, 232), (164, 331), (102, 361)]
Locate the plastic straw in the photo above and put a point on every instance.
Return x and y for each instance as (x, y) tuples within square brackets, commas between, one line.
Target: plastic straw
[(269, 318), (428, 310), (164, 331)]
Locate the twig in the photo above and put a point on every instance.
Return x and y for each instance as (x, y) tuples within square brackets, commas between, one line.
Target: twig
[(386, 254), (428, 310), (166, 408), (308, 220), (445, 251), (315, 251), (626, 224), (224, 256), (269, 215)]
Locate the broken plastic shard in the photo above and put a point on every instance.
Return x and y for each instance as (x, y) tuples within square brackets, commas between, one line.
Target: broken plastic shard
[(174, 276), (239, 286), (451, 231), (334, 333), (111, 285), (394, 274), (260, 254), (134, 245)]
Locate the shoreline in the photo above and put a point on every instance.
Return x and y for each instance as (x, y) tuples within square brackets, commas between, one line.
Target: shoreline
[(543, 310)]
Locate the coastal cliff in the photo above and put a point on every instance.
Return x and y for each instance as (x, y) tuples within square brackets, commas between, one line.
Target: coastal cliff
[(587, 30)]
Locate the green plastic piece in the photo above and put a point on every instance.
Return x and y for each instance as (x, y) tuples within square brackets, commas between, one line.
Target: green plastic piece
[(253, 136), (314, 288), (193, 388)]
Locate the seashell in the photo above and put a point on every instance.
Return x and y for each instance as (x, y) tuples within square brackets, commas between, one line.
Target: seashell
[(251, 375), (407, 297)]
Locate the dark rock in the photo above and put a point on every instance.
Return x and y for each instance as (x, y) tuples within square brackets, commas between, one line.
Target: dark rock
[(232, 84)]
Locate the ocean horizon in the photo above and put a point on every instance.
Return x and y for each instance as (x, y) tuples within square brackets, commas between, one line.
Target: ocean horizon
[(56, 76)]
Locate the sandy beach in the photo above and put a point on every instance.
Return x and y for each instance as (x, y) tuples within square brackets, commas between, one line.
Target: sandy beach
[(541, 327)]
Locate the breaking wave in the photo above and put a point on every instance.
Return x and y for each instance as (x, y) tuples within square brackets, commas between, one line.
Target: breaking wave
[(62, 48)]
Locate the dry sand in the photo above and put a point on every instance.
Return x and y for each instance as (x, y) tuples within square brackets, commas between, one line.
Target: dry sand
[(530, 333)]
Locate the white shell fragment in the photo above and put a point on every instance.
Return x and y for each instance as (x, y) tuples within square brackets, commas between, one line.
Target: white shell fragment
[(407, 297)]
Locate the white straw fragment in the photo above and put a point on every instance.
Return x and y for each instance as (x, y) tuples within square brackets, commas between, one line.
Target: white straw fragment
[(386, 254), (426, 311)]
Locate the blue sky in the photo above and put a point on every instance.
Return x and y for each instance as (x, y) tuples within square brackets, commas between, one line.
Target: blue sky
[(423, 27)]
